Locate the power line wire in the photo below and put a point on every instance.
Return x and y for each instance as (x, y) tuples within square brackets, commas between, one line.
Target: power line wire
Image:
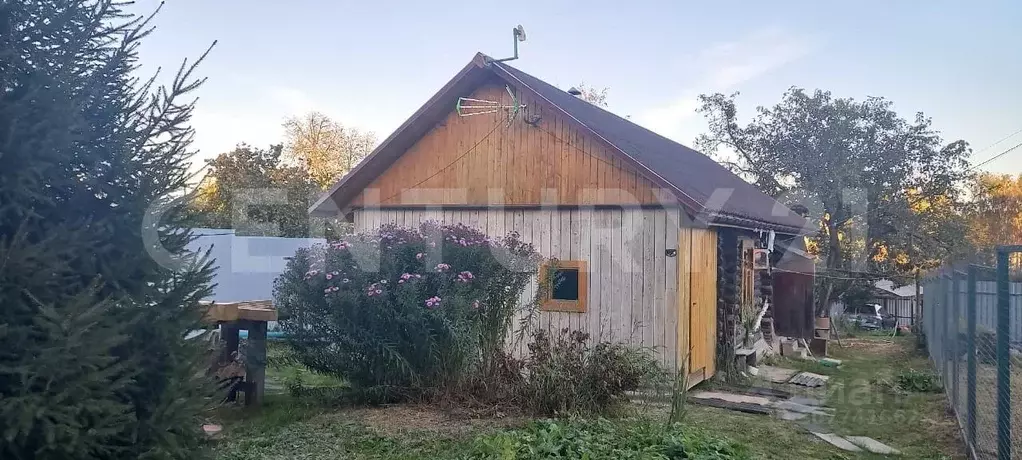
[(452, 163), (984, 149), (988, 160), (825, 274)]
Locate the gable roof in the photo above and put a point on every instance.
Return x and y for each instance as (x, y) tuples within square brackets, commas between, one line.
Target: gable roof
[(691, 176)]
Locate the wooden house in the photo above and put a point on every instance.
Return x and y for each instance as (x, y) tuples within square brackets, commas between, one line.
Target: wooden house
[(644, 228)]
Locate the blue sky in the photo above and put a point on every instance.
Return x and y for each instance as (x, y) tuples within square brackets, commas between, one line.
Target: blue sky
[(370, 64)]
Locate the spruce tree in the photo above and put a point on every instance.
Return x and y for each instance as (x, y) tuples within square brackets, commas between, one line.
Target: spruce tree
[(93, 358)]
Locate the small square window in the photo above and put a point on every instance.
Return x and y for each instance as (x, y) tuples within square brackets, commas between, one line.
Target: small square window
[(565, 284), (568, 286)]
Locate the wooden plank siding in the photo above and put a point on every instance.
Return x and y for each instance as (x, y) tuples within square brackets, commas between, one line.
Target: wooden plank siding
[(633, 285), (480, 161), (703, 301), (684, 299)]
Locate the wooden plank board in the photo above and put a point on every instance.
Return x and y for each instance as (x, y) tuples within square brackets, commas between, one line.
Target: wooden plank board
[(565, 250), (257, 310), (660, 265), (683, 305), (576, 321), (747, 408), (621, 322), (527, 228), (704, 300), (601, 242), (588, 254), (634, 253), (541, 233), (648, 263), (668, 329)]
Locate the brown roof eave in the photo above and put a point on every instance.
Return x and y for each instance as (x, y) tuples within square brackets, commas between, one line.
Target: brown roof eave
[(730, 220)]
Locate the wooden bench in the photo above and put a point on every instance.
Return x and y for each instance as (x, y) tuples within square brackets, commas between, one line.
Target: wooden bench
[(252, 316)]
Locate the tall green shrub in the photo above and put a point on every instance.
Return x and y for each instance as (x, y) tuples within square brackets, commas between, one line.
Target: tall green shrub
[(401, 311), (568, 374), (93, 364)]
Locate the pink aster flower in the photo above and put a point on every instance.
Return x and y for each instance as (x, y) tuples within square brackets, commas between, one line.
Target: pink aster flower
[(420, 255), (475, 304), (442, 267), (329, 276)]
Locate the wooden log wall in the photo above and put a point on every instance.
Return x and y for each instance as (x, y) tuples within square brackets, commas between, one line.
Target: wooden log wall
[(728, 264)]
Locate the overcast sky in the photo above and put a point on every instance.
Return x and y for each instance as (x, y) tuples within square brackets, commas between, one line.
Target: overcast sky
[(370, 64)]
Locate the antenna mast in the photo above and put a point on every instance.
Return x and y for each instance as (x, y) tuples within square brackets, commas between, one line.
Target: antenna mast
[(519, 36)]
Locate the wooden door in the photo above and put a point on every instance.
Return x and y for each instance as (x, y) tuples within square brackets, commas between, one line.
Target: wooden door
[(703, 310)]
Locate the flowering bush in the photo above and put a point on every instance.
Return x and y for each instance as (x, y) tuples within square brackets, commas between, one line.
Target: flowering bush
[(402, 310)]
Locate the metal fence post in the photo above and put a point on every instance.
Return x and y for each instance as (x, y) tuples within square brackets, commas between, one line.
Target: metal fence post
[(1003, 356), (956, 338), (970, 347), (946, 333)]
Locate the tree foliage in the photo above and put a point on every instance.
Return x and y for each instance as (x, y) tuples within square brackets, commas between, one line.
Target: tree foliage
[(869, 177), (93, 364), (254, 192), (268, 191), (326, 148), (995, 212)]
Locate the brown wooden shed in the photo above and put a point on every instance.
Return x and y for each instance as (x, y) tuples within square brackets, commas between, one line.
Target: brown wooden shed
[(634, 213)]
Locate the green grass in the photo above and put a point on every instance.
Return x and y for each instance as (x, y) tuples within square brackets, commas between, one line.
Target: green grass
[(287, 427), (283, 369), (915, 423)]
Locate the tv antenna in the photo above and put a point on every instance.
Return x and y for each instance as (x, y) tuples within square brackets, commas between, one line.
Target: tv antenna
[(519, 34), (467, 106)]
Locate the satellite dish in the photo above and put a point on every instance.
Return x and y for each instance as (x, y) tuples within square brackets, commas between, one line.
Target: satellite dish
[(520, 33)]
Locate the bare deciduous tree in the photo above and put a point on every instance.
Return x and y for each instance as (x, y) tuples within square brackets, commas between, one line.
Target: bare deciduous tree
[(326, 148), (597, 97)]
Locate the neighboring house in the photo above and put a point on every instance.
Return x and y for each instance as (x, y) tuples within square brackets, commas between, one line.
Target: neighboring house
[(897, 301), (651, 235)]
